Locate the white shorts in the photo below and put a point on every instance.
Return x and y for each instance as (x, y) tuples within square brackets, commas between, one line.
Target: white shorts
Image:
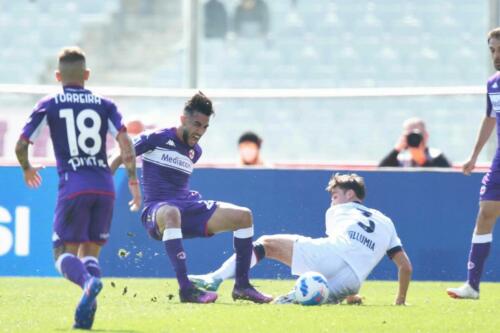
[(317, 255)]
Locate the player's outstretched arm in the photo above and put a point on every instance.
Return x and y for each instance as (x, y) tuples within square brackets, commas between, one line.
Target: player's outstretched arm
[(487, 127), (114, 162), (31, 176), (404, 273), (127, 157)]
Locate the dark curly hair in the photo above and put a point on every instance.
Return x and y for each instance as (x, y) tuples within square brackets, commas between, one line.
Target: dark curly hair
[(199, 103)]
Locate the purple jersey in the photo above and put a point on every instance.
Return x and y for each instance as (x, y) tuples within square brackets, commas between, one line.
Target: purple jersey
[(167, 165), (493, 110), (493, 97), (490, 190), (79, 122)]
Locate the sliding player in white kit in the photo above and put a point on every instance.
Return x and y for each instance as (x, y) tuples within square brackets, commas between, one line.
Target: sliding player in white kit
[(357, 239)]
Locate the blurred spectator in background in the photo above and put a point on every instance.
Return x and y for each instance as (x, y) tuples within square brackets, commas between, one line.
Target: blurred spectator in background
[(249, 145), (251, 19), (135, 127), (215, 19), (411, 149)]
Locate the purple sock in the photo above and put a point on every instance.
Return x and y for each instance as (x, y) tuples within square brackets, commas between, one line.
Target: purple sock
[(477, 256), (72, 269), (92, 266), (243, 248), (177, 256)]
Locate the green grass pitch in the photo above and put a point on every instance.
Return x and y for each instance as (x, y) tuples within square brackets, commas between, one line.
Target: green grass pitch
[(152, 305)]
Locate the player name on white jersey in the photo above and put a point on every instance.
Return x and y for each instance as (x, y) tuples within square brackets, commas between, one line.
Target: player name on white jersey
[(82, 98), (360, 235), (362, 239)]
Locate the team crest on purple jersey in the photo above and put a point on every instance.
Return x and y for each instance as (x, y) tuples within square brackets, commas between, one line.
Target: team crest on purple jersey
[(191, 154)]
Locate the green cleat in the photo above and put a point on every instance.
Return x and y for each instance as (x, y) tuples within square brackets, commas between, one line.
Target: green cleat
[(206, 282)]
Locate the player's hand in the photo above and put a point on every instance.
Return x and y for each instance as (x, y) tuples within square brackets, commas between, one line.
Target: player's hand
[(400, 301), (354, 299), (32, 178), (135, 190), (469, 166)]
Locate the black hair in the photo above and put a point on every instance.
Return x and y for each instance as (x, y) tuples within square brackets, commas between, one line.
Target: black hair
[(250, 137), (199, 103)]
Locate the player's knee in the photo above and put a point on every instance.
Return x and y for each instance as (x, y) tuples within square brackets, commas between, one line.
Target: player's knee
[(242, 218), (168, 218), (246, 219)]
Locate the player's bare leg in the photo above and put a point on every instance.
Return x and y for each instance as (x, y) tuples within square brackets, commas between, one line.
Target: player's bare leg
[(229, 217), (168, 220), (489, 211), (279, 247)]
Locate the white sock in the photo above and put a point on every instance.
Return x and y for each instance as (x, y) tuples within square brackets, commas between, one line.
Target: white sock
[(228, 269), (479, 239), (172, 233)]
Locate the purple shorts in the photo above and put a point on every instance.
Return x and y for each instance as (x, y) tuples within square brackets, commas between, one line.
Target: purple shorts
[(490, 190), (194, 217), (83, 218)]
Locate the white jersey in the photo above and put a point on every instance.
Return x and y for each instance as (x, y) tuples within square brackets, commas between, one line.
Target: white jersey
[(360, 236)]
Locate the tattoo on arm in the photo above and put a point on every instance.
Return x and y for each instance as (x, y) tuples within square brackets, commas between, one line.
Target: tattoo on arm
[(131, 168), (128, 156), (22, 154)]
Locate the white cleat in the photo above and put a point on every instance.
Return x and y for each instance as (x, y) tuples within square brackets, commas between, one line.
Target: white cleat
[(207, 282), (465, 292), (286, 299)]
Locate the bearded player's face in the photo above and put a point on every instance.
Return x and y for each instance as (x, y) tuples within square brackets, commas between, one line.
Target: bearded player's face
[(194, 127), (494, 45)]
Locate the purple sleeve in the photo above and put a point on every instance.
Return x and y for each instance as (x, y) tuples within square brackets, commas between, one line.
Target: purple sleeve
[(36, 123), (143, 143), (197, 155), (115, 122), (488, 106)]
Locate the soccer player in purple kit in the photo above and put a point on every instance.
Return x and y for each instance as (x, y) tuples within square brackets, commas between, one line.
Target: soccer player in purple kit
[(79, 122), (489, 194), (173, 212)]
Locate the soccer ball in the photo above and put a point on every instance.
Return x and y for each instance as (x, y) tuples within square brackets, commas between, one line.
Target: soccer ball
[(311, 288)]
